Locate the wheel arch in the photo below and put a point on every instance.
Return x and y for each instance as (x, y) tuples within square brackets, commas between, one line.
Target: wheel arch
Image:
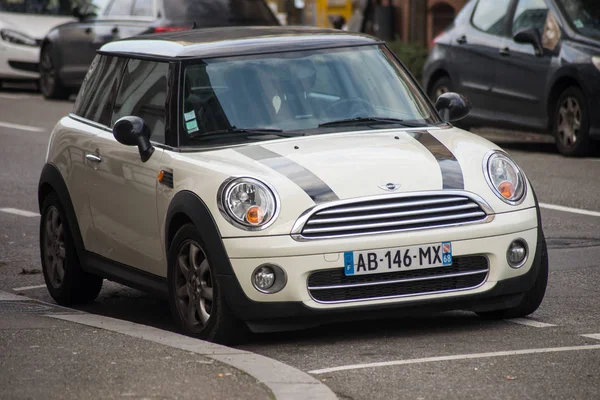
[(559, 86), (188, 207), (51, 181), (437, 74)]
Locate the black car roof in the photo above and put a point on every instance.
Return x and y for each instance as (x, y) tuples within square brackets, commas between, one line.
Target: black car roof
[(221, 42)]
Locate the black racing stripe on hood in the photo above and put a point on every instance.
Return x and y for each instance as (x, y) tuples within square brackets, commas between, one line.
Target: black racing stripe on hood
[(314, 187), (452, 176)]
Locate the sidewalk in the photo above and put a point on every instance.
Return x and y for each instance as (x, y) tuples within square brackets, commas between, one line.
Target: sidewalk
[(48, 352)]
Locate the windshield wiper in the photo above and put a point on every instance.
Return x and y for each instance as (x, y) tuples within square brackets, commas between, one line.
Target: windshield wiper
[(233, 131), (379, 120)]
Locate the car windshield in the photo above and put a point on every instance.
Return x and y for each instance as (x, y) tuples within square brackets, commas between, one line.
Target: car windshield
[(303, 92), (583, 15), (211, 13), (41, 7)]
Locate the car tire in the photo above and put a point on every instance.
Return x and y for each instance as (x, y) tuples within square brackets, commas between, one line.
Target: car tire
[(570, 123), (440, 86), (196, 301), (65, 279), (531, 299), (50, 84)]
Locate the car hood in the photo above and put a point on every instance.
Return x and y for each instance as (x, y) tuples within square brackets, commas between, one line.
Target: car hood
[(318, 169), (34, 26)]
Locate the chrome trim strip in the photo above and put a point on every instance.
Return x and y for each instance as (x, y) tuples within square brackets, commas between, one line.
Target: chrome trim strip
[(400, 296), (392, 224), (424, 278), (390, 215), (89, 122), (388, 206), (296, 232)]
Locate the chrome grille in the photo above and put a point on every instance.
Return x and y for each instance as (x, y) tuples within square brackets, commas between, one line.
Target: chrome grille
[(332, 286), (392, 213)]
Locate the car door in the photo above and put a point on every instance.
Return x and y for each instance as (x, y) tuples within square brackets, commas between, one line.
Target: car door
[(123, 192), (522, 71), (476, 53)]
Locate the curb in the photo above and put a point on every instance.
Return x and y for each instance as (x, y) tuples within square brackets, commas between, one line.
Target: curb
[(285, 381)]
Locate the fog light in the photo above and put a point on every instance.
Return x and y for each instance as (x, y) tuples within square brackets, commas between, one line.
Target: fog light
[(517, 253), (268, 278)]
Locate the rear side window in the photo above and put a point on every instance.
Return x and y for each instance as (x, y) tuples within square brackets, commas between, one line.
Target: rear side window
[(120, 8), (143, 8), (143, 94), (211, 13), (490, 15), (94, 101)]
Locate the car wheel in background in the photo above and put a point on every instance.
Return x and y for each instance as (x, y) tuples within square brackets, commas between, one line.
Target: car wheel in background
[(66, 281), (50, 84), (196, 302), (531, 299), (570, 123), (439, 87)]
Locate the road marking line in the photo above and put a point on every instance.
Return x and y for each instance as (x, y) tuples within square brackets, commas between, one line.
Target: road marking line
[(16, 211), (17, 96), (4, 296), (593, 336), (21, 127), (455, 357), (20, 289), (285, 381), (529, 322), (570, 209)]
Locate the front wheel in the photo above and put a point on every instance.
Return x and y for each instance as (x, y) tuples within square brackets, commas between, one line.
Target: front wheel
[(531, 299), (197, 304), (570, 123)]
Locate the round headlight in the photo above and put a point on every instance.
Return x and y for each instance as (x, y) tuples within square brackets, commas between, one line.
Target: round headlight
[(248, 203), (505, 178)]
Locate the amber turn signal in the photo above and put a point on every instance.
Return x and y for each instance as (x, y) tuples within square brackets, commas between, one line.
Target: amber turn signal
[(255, 215), (506, 189), (161, 176)]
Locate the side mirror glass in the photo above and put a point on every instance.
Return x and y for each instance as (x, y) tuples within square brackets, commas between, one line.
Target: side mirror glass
[(452, 106), (530, 36), (133, 131)]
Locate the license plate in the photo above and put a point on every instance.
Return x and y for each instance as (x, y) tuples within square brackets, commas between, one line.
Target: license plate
[(397, 259)]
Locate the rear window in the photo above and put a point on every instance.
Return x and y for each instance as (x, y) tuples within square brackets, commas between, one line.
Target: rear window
[(212, 13)]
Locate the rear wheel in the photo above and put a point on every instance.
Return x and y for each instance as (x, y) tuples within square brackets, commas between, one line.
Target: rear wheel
[(440, 86), (197, 304), (65, 279), (570, 123), (50, 84), (531, 299)]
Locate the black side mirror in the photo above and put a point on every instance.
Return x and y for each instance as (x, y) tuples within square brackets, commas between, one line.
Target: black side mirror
[(133, 131), (452, 106), (530, 36)]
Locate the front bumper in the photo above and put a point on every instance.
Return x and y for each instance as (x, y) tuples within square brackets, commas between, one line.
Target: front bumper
[(18, 61), (501, 288)]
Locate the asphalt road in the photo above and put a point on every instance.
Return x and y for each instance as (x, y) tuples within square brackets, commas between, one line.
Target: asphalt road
[(450, 355)]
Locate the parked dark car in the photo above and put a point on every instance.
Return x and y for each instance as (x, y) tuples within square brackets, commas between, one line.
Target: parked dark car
[(68, 50), (531, 64)]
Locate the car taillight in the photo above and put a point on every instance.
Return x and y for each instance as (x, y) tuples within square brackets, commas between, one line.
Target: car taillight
[(437, 38), (163, 29)]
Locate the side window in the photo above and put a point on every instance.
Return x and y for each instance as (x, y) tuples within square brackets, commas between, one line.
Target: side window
[(94, 101), (530, 14), (120, 8), (143, 8), (489, 16), (143, 93)]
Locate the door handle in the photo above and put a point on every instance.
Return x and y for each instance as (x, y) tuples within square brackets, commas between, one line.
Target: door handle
[(505, 52), (88, 30), (93, 158), (115, 30), (462, 40)]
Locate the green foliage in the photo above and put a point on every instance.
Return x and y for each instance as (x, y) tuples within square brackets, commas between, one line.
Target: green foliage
[(413, 56)]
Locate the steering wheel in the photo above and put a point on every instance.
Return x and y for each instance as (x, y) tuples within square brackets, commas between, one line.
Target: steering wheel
[(351, 107)]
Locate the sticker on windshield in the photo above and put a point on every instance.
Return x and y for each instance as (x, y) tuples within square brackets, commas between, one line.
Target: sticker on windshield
[(189, 115), (578, 23), (191, 126)]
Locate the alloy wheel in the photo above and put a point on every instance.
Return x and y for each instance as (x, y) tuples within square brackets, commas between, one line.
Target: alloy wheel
[(440, 90), (54, 247), (569, 121), (193, 285)]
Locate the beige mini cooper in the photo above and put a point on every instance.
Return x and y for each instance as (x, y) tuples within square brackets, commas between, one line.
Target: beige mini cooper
[(275, 178)]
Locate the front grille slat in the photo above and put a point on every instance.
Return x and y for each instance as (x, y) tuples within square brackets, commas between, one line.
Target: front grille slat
[(332, 286), (398, 224), (400, 214), (393, 213)]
